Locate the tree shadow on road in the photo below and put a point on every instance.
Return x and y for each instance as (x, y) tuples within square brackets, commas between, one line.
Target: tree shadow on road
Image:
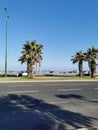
[(22, 112), (68, 96), (75, 96)]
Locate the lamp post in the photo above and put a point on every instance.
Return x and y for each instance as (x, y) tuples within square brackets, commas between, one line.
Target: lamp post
[(5, 8)]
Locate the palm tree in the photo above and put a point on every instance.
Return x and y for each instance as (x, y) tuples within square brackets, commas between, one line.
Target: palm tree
[(30, 55), (25, 56), (91, 57), (78, 58)]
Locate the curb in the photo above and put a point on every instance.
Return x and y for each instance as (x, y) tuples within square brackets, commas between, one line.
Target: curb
[(13, 81)]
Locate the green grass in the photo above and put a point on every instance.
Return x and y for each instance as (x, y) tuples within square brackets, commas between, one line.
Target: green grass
[(65, 78), (44, 78), (13, 78)]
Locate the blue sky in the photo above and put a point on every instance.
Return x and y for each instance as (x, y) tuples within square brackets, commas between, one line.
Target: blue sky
[(62, 26)]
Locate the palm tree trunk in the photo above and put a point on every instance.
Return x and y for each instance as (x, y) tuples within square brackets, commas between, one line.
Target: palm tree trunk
[(32, 73), (32, 69), (80, 68), (28, 68), (93, 68)]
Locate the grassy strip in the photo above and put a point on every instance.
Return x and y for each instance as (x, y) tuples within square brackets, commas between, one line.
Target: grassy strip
[(46, 78), (65, 78), (13, 78)]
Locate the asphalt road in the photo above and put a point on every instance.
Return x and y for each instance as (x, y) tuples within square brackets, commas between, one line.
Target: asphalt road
[(48, 105)]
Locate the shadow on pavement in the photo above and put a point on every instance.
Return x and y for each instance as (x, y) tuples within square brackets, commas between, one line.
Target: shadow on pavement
[(75, 96), (21, 112), (71, 96)]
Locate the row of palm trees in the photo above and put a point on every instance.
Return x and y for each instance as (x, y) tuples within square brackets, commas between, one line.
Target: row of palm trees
[(90, 56), (32, 56)]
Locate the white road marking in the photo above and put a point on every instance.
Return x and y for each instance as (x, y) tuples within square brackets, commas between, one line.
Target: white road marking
[(77, 89), (82, 84), (96, 88), (12, 92), (58, 102)]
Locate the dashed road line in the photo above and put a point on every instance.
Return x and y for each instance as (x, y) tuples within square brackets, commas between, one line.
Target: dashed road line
[(77, 89), (12, 92), (96, 88), (58, 102), (78, 84)]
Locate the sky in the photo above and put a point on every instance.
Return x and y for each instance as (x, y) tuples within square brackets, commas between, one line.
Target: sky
[(64, 27)]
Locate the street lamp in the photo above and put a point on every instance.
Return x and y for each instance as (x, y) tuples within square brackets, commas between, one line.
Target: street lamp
[(5, 8)]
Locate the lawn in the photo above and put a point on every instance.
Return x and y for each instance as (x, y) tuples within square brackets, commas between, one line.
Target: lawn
[(46, 78), (65, 78)]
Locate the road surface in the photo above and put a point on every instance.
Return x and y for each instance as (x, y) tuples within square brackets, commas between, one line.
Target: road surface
[(48, 105)]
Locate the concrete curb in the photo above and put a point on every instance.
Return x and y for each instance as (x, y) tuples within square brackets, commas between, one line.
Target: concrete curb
[(13, 81)]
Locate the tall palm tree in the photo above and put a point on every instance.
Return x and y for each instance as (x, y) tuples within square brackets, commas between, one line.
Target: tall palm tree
[(30, 56), (25, 58), (79, 58), (91, 57)]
